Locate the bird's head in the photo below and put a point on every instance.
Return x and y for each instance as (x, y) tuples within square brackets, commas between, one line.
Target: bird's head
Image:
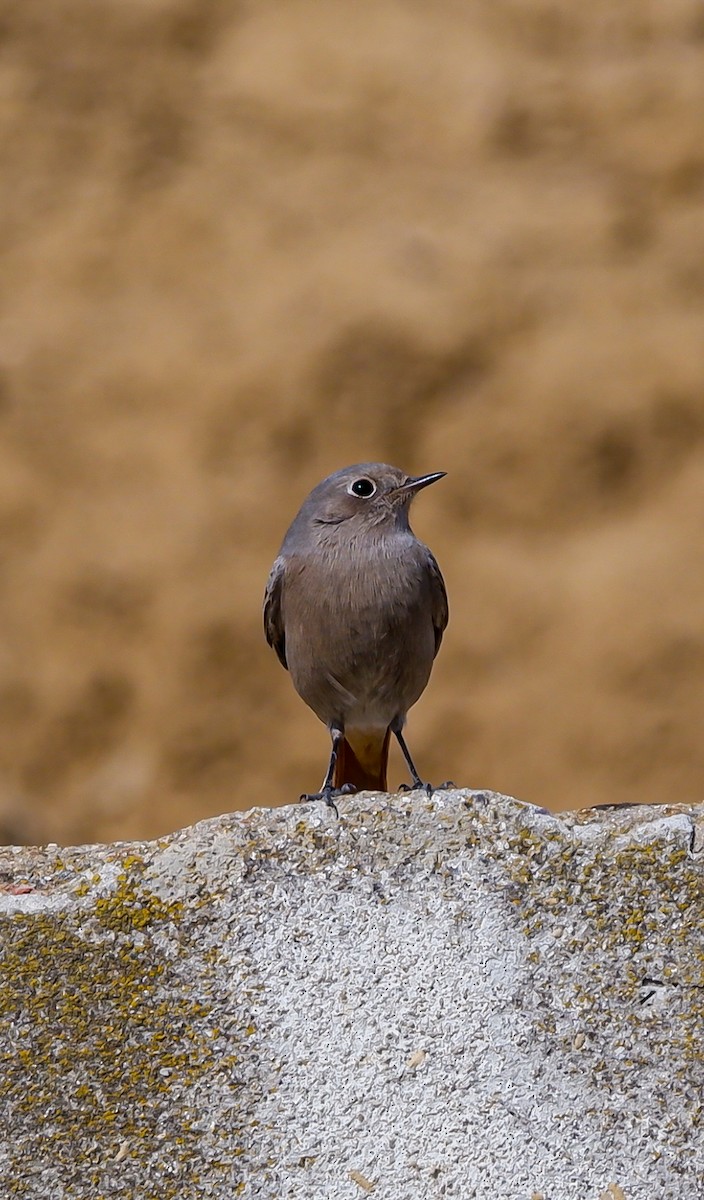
[(367, 495)]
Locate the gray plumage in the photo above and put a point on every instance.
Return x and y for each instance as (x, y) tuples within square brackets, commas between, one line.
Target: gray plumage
[(355, 608)]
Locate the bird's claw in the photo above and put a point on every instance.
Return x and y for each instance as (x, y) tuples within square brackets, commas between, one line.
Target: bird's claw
[(417, 785), (328, 794)]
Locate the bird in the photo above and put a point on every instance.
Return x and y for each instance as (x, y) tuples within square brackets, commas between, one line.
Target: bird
[(355, 607)]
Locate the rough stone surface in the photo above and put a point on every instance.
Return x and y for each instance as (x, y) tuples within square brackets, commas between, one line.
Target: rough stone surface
[(456, 997)]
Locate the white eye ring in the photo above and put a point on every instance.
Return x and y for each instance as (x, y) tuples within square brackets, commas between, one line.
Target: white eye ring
[(362, 488)]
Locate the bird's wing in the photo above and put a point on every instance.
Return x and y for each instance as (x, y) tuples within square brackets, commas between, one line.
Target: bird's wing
[(438, 596), (273, 611)]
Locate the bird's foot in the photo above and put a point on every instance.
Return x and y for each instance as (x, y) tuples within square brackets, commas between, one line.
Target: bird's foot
[(417, 785), (329, 795)]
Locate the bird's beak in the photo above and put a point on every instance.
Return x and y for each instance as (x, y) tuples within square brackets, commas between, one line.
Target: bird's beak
[(413, 485)]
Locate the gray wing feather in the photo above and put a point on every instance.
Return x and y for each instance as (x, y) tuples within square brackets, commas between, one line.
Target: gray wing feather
[(440, 610), (273, 611)]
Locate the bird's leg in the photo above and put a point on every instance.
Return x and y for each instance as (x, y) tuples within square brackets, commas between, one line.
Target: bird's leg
[(327, 791), (416, 783)]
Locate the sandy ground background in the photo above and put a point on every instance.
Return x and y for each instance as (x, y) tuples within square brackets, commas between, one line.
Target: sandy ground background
[(243, 244)]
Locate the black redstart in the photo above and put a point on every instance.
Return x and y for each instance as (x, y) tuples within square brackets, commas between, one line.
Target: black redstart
[(355, 608)]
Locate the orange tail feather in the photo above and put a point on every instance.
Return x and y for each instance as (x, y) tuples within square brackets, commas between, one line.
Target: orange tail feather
[(362, 760)]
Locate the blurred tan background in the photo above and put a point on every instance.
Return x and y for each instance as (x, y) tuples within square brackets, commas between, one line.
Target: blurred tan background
[(244, 243)]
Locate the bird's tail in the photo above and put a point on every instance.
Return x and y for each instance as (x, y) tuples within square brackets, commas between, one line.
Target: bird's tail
[(362, 757)]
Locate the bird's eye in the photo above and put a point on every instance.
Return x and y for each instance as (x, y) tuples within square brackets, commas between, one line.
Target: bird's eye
[(362, 487)]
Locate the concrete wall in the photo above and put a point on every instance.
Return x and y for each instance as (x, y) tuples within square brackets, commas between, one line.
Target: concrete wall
[(462, 997)]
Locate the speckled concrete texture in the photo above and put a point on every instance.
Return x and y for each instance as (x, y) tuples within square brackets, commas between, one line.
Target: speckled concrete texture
[(457, 997)]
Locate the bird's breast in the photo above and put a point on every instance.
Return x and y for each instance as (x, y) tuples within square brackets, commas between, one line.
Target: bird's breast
[(359, 632)]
